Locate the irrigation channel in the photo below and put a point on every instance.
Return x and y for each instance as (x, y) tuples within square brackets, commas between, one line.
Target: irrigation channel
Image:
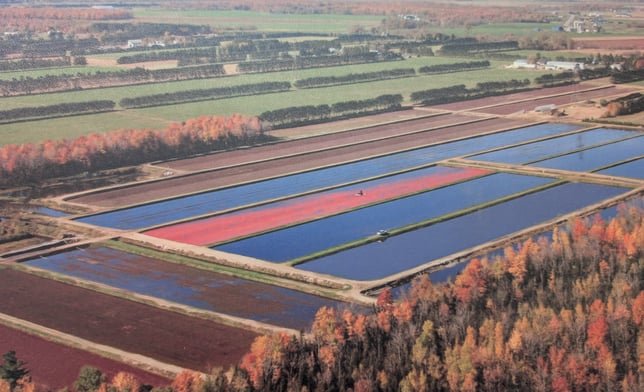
[(326, 221)]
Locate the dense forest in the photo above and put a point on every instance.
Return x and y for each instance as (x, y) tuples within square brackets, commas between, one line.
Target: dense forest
[(562, 312)]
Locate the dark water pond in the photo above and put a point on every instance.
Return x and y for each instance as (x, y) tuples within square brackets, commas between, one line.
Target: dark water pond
[(185, 207), (633, 169), (597, 157), (308, 238), (189, 286), (405, 251), (560, 145)]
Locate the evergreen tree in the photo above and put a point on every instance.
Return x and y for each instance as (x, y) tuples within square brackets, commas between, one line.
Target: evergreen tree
[(12, 370)]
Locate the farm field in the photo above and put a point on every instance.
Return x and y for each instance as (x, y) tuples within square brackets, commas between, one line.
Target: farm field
[(307, 181), (205, 243), (301, 209), (515, 97), (378, 260), (181, 185), (598, 157), (188, 286), (537, 151), (633, 169), (160, 117), (361, 224), (57, 365), (164, 335), (561, 100)]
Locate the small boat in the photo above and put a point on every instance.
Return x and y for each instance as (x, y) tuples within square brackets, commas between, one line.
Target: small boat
[(382, 233)]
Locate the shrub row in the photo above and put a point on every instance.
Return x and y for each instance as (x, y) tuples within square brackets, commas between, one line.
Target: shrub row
[(454, 67), (628, 76), (66, 82), (61, 109), (301, 115), (477, 47), (167, 55), (461, 93), (354, 78), (558, 79), (204, 94), (304, 62), (23, 64), (630, 104)]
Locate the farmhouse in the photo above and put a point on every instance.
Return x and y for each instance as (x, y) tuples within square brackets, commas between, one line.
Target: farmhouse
[(134, 43), (565, 65), (523, 63)]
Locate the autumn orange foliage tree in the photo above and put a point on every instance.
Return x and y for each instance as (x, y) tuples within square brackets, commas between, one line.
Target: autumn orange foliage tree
[(559, 313), (554, 314), (33, 162)]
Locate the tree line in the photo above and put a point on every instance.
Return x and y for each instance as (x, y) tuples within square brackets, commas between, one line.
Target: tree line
[(309, 114), (320, 81), (56, 110), (558, 79), (30, 163), (454, 67), (478, 47), (204, 94), (303, 62), (630, 76), (24, 64), (629, 104), (561, 312), (67, 82), (208, 53), (460, 92)]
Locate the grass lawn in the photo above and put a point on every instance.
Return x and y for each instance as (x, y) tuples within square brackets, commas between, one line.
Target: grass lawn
[(267, 22), (160, 117), (118, 93)]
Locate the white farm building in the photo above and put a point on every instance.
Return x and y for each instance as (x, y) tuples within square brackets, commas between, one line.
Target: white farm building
[(565, 65)]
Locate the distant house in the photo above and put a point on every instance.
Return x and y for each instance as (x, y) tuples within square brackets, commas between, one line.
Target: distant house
[(134, 43), (565, 65), (522, 63)]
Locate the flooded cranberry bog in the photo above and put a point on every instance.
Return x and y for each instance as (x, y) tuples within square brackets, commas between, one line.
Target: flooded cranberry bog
[(378, 218), (187, 207), (270, 241), (186, 285), (306, 208)]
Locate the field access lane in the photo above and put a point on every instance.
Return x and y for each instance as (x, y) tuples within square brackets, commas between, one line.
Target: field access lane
[(226, 227), (142, 193)]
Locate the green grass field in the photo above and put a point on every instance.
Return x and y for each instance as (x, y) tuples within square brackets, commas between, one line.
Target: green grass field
[(260, 21), (159, 117)]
